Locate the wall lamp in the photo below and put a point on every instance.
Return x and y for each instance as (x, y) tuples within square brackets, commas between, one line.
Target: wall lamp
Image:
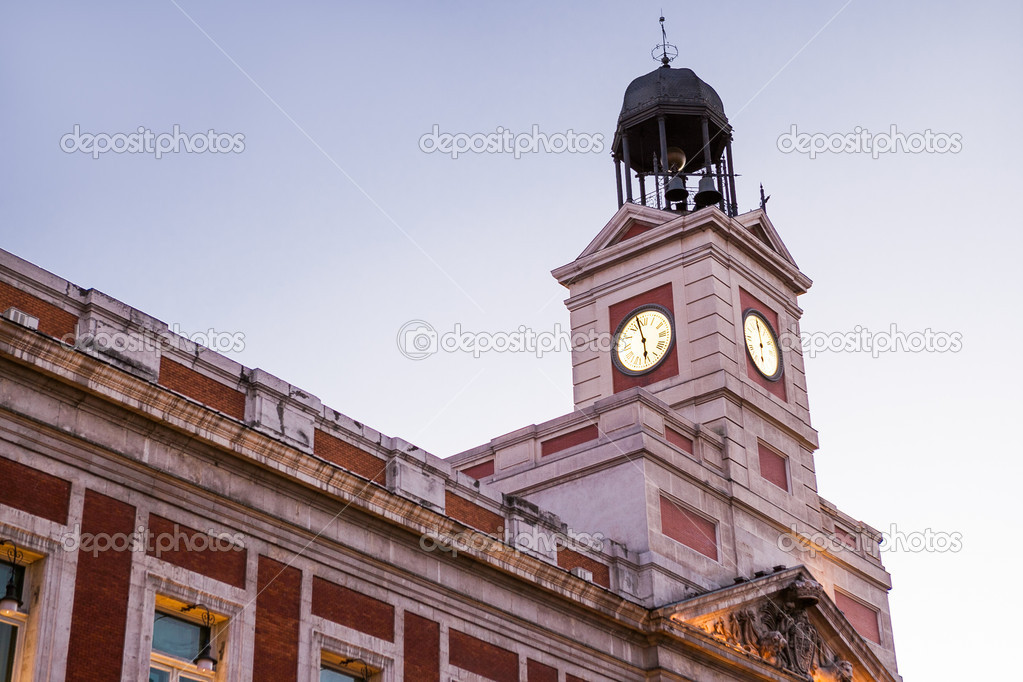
[(205, 660), (10, 603)]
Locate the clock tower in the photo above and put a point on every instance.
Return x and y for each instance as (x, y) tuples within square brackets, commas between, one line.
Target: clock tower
[(691, 443)]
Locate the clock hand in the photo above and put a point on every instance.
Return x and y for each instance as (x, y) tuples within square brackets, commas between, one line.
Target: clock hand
[(641, 336)]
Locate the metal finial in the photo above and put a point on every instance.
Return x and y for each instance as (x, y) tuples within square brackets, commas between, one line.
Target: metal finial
[(665, 52)]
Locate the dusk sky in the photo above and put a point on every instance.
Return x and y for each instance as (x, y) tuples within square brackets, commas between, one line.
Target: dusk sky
[(325, 227)]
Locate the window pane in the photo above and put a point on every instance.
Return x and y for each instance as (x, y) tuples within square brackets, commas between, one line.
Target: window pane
[(8, 640), (177, 637), (328, 675), (158, 675), (185, 678)]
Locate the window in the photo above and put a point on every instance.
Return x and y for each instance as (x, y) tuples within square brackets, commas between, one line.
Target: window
[(11, 623), (176, 644), (334, 668), (332, 675)]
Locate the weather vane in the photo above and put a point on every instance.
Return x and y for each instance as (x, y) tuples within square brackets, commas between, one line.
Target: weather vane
[(665, 52)]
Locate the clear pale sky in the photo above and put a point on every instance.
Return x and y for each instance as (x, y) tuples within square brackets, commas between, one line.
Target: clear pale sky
[(332, 229)]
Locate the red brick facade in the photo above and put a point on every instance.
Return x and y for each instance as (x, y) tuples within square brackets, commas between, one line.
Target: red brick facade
[(421, 649), (476, 656), (772, 467), (635, 229), (538, 672), (278, 610), (481, 470), (346, 455), (569, 440), (199, 387), (862, 617), (689, 528), (683, 443), (214, 557), (52, 320), (102, 586), (569, 559), (353, 609), (472, 514), (34, 491)]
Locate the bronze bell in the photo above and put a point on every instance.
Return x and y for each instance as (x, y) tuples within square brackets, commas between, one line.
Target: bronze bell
[(676, 191), (708, 194)]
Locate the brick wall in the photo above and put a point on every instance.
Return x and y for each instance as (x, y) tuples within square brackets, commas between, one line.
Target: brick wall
[(684, 443), (472, 514), (538, 672), (635, 229), (421, 649), (102, 585), (52, 320), (862, 617), (34, 491), (569, 440), (483, 658), (689, 528), (772, 466), (481, 470), (277, 622), (569, 559), (196, 551), (353, 609), (199, 387), (346, 455)]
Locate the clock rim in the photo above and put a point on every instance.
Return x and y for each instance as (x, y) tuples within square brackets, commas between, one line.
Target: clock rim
[(616, 361), (774, 336)]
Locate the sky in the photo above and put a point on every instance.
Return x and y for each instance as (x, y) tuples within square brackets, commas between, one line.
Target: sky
[(323, 227)]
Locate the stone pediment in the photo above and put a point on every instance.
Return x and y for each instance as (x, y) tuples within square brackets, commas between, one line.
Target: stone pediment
[(786, 620), (635, 229)]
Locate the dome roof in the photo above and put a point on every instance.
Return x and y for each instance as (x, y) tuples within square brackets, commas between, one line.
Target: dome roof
[(669, 86)]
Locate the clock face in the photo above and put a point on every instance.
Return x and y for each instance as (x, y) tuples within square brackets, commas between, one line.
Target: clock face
[(762, 345), (643, 340)]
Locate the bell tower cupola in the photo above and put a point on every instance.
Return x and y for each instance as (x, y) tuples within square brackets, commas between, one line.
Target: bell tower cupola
[(674, 139)]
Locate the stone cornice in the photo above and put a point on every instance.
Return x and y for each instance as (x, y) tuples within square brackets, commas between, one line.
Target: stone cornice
[(43, 354)]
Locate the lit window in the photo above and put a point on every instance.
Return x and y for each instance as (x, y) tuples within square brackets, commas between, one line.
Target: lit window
[(177, 642), (333, 668), (12, 622), (331, 675)]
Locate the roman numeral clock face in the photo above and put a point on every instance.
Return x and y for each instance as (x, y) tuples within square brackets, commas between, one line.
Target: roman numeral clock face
[(643, 340), (762, 345)]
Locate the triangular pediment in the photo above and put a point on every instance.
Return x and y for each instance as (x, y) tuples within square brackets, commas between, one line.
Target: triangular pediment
[(786, 620), (631, 220), (761, 227)]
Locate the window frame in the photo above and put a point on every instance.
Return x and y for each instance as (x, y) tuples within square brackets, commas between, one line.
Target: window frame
[(19, 619), (168, 663)]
